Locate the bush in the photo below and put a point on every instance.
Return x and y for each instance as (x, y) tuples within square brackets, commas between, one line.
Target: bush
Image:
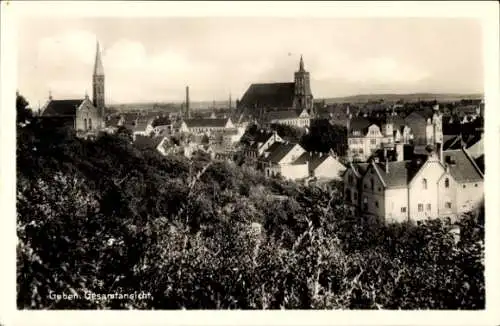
[(104, 216)]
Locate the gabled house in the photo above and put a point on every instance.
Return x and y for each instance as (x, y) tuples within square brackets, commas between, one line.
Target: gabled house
[(352, 177), (434, 187), (162, 125), (364, 137), (261, 142), (280, 159), (322, 166), (153, 143)]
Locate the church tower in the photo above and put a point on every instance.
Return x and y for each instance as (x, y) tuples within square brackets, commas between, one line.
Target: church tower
[(98, 83), (303, 98)]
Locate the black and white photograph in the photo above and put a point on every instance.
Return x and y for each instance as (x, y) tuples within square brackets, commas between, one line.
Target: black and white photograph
[(203, 160)]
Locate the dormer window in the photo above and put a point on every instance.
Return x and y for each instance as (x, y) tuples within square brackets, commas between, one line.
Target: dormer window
[(424, 183)]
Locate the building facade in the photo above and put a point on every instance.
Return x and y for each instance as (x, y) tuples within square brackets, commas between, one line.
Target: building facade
[(397, 191)]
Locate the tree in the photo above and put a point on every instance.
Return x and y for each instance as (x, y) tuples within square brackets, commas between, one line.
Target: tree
[(24, 114)]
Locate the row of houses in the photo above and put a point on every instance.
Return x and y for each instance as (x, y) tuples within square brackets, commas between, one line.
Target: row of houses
[(277, 157), (419, 128)]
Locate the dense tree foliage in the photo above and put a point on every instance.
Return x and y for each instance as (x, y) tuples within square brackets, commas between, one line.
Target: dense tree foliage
[(324, 136), (104, 216)]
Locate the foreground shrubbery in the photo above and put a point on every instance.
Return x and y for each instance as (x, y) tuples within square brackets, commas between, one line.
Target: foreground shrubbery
[(103, 217)]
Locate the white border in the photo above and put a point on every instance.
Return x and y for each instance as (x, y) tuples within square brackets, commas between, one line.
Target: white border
[(10, 11)]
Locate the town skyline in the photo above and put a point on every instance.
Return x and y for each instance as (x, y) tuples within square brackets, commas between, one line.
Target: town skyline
[(217, 57)]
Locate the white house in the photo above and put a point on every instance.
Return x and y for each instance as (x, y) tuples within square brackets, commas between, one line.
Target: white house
[(205, 126), (280, 159)]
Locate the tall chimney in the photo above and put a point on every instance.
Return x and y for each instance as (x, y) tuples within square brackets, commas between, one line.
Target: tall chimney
[(187, 112)]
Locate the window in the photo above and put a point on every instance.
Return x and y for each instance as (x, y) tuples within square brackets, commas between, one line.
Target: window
[(424, 183), (350, 179), (475, 185), (379, 189), (90, 124), (448, 205), (447, 183), (348, 195), (376, 203), (428, 207), (372, 184), (85, 124), (355, 195), (365, 204), (403, 209), (464, 186), (420, 207), (373, 141)]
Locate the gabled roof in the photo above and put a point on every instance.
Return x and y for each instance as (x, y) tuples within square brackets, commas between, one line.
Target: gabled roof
[(313, 158), (399, 173), (359, 124), (358, 168), (206, 123), (279, 151), (465, 168), (147, 142), (273, 147), (62, 108), (271, 95)]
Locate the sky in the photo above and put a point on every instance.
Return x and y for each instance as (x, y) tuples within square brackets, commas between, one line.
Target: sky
[(154, 59)]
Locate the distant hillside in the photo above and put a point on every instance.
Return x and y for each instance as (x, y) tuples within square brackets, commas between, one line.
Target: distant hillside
[(405, 97)]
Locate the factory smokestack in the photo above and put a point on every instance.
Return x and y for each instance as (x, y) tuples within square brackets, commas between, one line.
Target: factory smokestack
[(187, 113)]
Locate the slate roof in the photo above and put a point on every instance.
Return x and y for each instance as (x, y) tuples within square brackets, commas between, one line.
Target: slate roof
[(465, 169), (359, 124), (205, 123), (399, 173), (279, 151), (62, 108), (270, 95), (147, 142), (282, 115), (314, 159), (273, 147)]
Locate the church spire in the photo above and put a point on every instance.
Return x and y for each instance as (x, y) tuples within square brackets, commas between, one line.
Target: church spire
[(301, 64), (98, 68)]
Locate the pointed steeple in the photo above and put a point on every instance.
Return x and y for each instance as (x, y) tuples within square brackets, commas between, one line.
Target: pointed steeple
[(98, 68), (301, 64)]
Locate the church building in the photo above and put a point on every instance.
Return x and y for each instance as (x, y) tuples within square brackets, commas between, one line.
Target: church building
[(84, 115), (293, 97)]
